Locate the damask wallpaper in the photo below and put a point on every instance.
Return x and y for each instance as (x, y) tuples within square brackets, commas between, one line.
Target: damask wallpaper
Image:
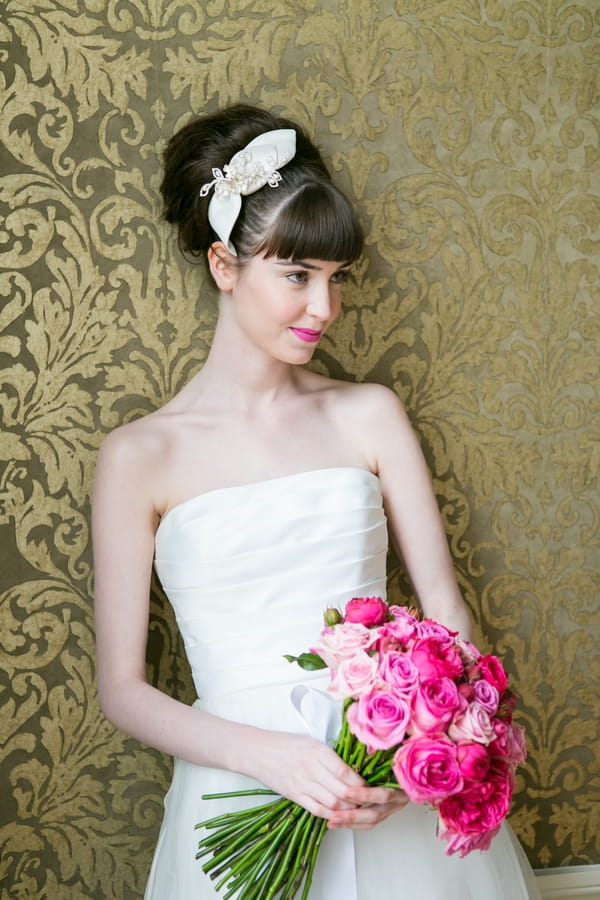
[(468, 133)]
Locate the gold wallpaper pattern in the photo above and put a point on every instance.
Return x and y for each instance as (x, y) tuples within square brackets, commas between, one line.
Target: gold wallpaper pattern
[(468, 132)]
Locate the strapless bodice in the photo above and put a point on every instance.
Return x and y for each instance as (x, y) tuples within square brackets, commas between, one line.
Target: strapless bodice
[(249, 570)]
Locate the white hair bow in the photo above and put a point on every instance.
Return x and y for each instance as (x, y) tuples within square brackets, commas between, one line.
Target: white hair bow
[(247, 171)]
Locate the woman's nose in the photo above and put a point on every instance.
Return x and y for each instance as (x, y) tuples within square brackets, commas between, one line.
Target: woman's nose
[(321, 302)]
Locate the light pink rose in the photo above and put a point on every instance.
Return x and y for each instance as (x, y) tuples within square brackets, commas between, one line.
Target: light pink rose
[(427, 770), (434, 704), (472, 724), (379, 719), (509, 743), (367, 611), (342, 642), (480, 808), (473, 761), (354, 676), (493, 671), (435, 658), (397, 671), (486, 695), (463, 844)]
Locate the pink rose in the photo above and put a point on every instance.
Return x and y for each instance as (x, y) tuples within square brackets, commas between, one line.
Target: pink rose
[(342, 642), (367, 611), (493, 671), (486, 695), (434, 704), (466, 690), (354, 676), (427, 770), (481, 807), (428, 628), (397, 671), (509, 743), (472, 724), (396, 635), (379, 719), (435, 658), (469, 651), (473, 761), (463, 844)]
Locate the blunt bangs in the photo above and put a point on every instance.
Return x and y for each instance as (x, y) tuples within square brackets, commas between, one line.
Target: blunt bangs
[(316, 222)]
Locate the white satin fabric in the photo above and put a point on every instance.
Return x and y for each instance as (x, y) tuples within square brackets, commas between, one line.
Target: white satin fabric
[(249, 571)]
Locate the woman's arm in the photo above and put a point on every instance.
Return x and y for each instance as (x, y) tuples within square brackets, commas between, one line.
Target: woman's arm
[(415, 523)]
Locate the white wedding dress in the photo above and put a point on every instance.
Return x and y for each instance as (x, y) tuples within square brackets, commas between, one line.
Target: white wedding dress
[(249, 571)]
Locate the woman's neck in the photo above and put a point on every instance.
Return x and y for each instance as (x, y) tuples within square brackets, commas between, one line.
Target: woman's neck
[(243, 374)]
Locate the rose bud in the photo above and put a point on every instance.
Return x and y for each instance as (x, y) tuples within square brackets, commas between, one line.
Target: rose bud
[(332, 616)]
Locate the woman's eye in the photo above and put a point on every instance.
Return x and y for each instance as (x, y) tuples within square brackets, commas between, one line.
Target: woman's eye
[(341, 277), (297, 277)]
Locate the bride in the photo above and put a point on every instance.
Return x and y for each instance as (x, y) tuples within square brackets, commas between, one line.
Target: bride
[(264, 492)]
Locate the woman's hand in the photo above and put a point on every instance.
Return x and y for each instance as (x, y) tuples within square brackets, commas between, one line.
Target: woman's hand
[(313, 775), (371, 806)]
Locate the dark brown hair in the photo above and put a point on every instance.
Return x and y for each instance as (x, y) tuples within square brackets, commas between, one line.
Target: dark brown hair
[(304, 217)]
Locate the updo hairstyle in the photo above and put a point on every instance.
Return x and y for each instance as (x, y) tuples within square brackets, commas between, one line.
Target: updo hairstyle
[(304, 217)]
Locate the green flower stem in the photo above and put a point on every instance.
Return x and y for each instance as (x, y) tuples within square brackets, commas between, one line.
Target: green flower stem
[(316, 837), (269, 844), (261, 826), (304, 824), (296, 875)]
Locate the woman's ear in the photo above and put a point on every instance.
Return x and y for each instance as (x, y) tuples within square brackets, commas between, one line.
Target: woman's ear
[(222, 265)]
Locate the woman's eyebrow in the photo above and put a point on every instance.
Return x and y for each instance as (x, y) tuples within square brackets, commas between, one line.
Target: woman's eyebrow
[(306, 265)]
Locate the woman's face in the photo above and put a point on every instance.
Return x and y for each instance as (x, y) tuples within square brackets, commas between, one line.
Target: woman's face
[(285, 307)]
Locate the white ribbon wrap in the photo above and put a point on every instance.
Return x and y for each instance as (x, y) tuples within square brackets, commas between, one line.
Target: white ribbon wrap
[(322, 719), (246, 172)]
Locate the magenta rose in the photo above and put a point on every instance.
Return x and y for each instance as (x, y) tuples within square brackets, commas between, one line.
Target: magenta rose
[(434, 704), (472, 724), (435, 658), (397, 671), (354, 676), (367, 611), (379, 719), (492, 670), (473, 761), (480, 808), (509, 743), (463, 844), (427, 769)]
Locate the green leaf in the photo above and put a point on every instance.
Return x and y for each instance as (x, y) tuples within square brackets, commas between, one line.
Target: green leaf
[(308, 661)]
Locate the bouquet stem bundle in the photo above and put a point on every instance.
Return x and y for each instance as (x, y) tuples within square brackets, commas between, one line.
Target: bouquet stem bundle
[(269, 852)]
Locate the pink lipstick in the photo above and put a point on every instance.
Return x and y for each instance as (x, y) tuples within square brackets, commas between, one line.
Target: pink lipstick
[(307, 334)]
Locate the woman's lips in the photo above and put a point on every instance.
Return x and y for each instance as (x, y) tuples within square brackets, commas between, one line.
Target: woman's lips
[(307, 334)]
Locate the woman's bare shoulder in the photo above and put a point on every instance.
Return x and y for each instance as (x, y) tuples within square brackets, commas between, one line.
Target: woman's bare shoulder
[(133, 457), (141, 438), (366, 400)]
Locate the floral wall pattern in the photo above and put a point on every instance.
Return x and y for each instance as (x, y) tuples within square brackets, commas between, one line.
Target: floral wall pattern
[(468, 133)]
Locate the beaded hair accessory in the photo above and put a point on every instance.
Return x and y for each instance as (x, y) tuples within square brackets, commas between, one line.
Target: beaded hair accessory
[(246, 172)]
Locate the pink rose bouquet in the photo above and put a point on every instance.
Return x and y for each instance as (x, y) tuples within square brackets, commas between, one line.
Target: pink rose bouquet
[(422, 711)]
